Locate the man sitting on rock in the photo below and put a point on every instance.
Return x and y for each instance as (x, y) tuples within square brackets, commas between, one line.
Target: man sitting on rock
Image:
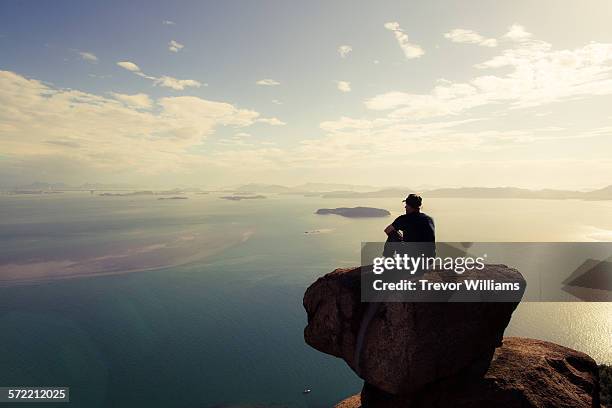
[(414, 226)]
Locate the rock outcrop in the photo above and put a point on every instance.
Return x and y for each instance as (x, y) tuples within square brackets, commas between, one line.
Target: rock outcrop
[(416, 355), (406, 345), (523, 373)]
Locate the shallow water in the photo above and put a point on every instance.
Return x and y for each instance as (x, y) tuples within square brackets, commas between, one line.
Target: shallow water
[(226, 328)]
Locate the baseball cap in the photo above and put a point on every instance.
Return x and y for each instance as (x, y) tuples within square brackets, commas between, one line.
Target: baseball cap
[(413, 200)]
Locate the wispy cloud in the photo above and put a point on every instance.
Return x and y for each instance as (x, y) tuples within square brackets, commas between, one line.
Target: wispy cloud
[(168, 22), (272, 121), (88, 56), (460, 35), (140, 100), (175, 46), (344, 50), (267, 82), (343, 86), (410, 50), (165, 80)]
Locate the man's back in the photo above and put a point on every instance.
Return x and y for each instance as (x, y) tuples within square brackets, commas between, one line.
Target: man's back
[(416, 227)]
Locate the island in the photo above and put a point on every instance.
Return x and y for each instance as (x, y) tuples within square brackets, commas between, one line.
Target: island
[(173, 198), (140, 193), (319, 231), (355, 212), (242, 197)]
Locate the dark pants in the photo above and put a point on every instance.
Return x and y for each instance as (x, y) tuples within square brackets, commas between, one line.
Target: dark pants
[(389, 246)]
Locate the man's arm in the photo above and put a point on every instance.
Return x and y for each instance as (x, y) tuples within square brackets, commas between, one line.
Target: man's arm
[(390, 229)]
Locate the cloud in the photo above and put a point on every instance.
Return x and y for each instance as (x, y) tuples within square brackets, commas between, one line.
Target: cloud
[(343, 86), (345, 123), (267, 82), (139, 100), (62, 132), (88, 56), (441, 120), (164, 81), (276, 102), (47, 126), (344, 50), (384, 141), (517, 33), (272, 121), (130, 66), (460, 35), (98, 76), (175, 46), (177, 84), (410, 50), (537, 75), (168, 22)]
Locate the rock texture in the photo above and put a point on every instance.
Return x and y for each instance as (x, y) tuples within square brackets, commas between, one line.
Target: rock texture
[(523, 373), (406, 345)]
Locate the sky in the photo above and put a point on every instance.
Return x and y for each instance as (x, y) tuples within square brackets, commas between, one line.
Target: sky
[(197, 93)]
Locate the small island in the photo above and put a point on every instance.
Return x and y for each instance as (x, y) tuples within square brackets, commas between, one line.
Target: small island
[(355, 212), (242, 197), (319, 231), (173, 198)]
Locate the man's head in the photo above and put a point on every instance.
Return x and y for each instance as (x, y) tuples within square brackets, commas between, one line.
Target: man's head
[(413, 203)]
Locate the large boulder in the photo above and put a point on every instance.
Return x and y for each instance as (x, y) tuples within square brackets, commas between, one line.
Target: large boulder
[(406, 345), (524, 373)]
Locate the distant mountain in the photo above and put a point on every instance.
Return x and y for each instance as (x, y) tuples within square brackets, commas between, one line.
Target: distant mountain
[(263, 188), (37, 185), (306, 188), (480, 192), (328, 187), (511, 192), (105, 186), (385, 193), (601, 194), (499, 192), (340, 190)]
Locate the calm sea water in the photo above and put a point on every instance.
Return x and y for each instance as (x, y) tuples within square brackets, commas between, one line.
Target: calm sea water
[(225, 330)]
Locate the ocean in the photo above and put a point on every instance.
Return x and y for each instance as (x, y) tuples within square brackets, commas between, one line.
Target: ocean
[(134, 301)]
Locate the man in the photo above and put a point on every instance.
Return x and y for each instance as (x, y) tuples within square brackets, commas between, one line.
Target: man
[(414, 226)]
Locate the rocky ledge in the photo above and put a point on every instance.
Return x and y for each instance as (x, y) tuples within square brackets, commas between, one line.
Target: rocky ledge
[(442, 354)]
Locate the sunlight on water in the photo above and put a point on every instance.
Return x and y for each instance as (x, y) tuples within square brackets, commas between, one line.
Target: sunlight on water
[(582, 326)]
